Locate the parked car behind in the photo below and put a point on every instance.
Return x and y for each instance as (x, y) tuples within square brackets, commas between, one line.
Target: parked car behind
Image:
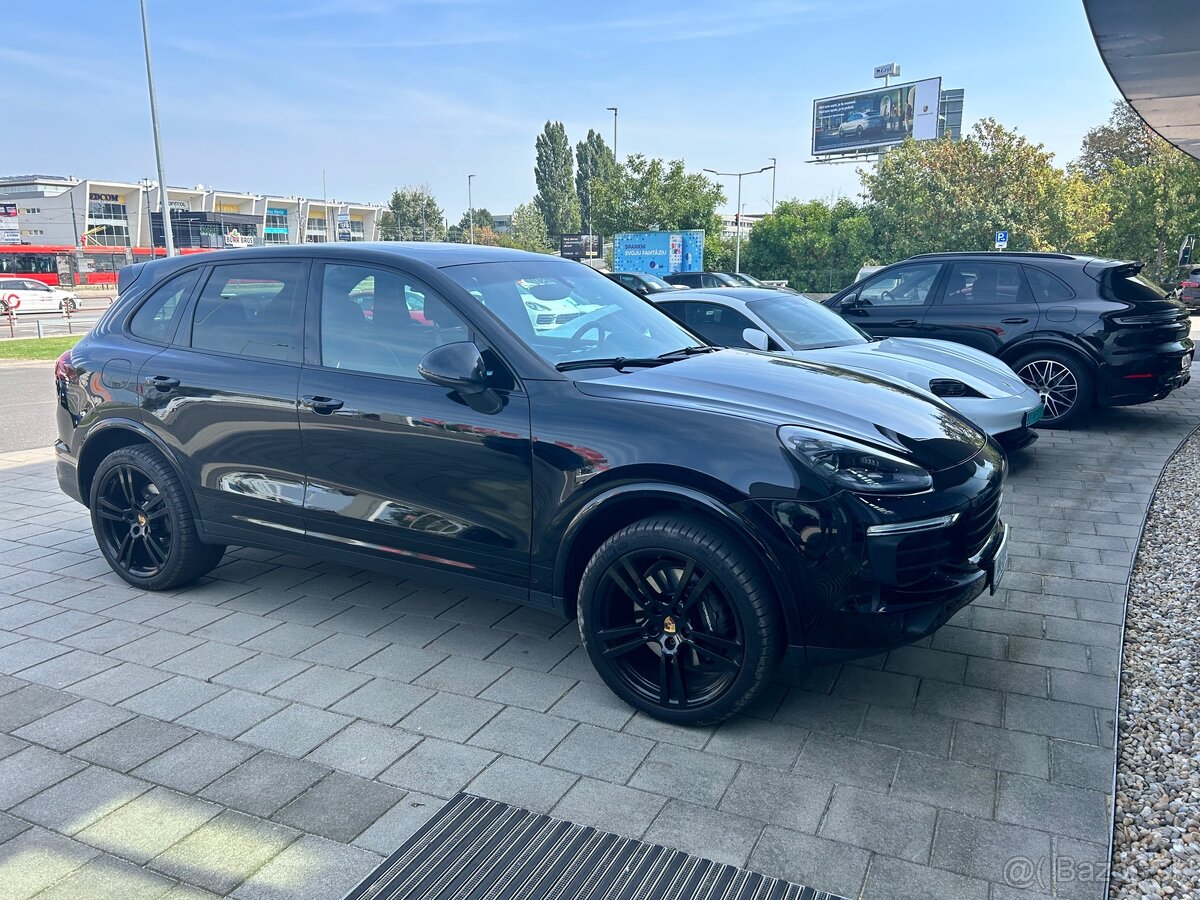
[(242, 397), (750, 281), (977, 385), (1188, 292), (1080, 331), (642, 283), (26, 295), (701, 279)]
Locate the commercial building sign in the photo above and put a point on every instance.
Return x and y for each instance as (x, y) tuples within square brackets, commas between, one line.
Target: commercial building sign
[(581, 246), (343, 226), (234, 238), (659, 252), (10, 224), (870, 120), (105, 198)]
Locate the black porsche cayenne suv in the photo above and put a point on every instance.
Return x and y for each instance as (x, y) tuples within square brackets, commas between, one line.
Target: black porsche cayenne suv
[(1079, 330), (702, 512)]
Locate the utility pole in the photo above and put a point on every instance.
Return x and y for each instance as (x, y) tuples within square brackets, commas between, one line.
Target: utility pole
[(773, 165), (737, 264), (470, 210), (162, 175), (613, 110)]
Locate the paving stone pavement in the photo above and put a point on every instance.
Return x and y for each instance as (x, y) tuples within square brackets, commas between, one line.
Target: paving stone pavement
[(274, 730)]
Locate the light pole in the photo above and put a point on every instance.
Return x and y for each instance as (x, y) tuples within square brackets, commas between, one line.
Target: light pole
[(162, 176), (470, 210), (613, 110), (773, 164), (737, 258)]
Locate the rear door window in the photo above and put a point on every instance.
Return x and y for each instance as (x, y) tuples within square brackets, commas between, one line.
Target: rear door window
[(252, 309), (971, 283)]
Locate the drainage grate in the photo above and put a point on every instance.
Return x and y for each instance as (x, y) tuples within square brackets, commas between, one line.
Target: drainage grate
[(476, 849)]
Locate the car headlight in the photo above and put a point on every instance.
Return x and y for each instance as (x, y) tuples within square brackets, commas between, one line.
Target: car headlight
[(851, 465)]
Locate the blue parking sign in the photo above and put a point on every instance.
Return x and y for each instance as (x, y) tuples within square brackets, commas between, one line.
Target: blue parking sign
[(1001, 237)]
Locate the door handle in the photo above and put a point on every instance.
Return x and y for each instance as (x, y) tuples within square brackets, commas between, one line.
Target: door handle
[(905, 322), (162, 382), (1016, 320), (323, 406)]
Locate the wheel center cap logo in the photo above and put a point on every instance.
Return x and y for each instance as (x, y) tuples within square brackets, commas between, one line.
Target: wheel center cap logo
[(142, 520), (669, 625)]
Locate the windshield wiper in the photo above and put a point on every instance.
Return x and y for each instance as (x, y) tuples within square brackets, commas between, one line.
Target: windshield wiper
[(612, 362), (688, 351)]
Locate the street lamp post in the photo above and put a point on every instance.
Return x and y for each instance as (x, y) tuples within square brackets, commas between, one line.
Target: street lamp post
[(773, 165), (162, 177), (470, 210), (737, 258), (613, 110)]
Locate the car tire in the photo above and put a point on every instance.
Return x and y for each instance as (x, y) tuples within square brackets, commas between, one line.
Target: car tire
[(1063, 381), (144, 524), (680, 620)]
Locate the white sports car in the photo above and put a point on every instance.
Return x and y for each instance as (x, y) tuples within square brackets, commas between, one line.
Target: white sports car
[(27, 295), (975, 384)]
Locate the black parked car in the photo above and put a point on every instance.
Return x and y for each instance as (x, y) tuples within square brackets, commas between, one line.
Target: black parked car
[(642, 283), (702, 511), (1079, 330), (702, 279)]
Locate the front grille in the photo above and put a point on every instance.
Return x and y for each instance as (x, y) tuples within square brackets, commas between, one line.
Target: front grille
[(974, 527), (920, 554), (563, 318)]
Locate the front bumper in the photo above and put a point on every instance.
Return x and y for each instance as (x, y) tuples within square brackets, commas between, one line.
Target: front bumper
[(999, 415)]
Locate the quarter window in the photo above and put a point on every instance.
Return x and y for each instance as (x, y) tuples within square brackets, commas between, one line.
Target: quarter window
[(1045, 287), (251, 309), (901, 286), (717, 324), (382, 322), (155, 319)]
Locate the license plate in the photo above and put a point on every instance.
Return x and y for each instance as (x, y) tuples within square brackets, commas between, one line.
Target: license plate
[(1035, 415), (999, 563)]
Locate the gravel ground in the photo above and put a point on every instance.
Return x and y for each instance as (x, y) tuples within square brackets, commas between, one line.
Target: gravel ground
[(1156, 844)]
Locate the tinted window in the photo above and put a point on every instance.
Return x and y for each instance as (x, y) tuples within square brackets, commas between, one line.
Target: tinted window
[(901, 286), (155, 319), (985, 282), (251, 309), (1134, 287), (629, 281), (380, 321), (1045, 287), (804, 324), (717, 324)]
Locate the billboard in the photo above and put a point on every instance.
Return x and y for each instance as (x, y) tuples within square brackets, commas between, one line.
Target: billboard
[(10, 224), (580, 246), (868, 120), (659, 252)]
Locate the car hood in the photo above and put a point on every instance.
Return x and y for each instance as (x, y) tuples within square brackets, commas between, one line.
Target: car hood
[(786, 391), (917, 361)]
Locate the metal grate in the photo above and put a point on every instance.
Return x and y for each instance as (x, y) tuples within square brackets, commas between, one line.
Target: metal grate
[(476, 849)]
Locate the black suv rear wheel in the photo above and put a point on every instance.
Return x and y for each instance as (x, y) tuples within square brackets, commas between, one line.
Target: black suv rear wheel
[(1062, 380), (144, 524), (679, 620)]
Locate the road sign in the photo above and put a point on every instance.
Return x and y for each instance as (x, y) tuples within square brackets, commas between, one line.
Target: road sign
[(1001, 240)]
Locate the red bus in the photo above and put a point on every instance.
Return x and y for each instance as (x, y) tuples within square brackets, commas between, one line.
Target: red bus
[(69, 266)]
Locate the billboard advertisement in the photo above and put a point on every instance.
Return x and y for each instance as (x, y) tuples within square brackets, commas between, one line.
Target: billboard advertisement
[(580, 246), (659, 252), (10, 224), (868, 120)]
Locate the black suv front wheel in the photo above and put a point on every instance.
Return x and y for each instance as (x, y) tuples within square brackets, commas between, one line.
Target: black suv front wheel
[(144, 524), (679, 620)]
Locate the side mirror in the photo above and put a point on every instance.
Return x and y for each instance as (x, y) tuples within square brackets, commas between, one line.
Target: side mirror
[(642, 289), (458, 366), (756, 338)]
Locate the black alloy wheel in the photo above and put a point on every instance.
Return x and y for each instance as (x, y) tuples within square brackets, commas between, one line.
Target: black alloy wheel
[(1063, 383), (143, 521), (678, 620)]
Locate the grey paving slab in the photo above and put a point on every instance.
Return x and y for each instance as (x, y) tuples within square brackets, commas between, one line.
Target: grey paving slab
[(80, 800), (609, 807), (72, 725), (364, 748), (132, 743), (831, 758), (780, 798), (37, 859), (295, 730), (62, 625), (440, 768), (532, 652), (1075, 811), (155, 647), (522, 783), (414, 631), (894, 879), (107, 636), (311, 867), (222, 853), (945, 784), (340, 807), (764, 743), (286, 639), (147, 825), (673, 771), (400, 823), (264, 784), (898, 828), (594, 704), (609, 755), (194, 764), (530, 690), (28, 652), (119, 683), (523, 733), (470, 640), (342, 651), (30, 771), (232, 713), (261, 672), (382, 700), (235, 627), (207, 660), (720, 836), (29, 703), (173, 698), (400, 662), (450, 716), (823, 864), (462, 675), (68, 668), (106, 878)]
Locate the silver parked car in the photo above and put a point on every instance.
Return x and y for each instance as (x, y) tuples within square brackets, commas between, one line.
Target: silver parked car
[(974, 383)]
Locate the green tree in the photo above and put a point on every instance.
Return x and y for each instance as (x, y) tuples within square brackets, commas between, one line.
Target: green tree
[(461, 233), (1123, 137), (595, 163), (556, 199), (412, 214), (927, 196), (528, 230), (650, 194), (816, 245)]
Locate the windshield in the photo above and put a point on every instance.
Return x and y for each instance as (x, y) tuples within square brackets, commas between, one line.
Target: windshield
[(748, 279), (805, 324), (586, 315), (727, 280), (654, 283)]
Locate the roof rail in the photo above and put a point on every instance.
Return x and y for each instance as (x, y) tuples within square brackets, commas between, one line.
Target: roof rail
[(1021, 253)]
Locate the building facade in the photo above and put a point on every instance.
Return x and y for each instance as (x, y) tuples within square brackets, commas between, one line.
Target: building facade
[(67, 211)]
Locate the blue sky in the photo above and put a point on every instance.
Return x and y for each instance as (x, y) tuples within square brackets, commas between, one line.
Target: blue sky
[(261, 96)]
